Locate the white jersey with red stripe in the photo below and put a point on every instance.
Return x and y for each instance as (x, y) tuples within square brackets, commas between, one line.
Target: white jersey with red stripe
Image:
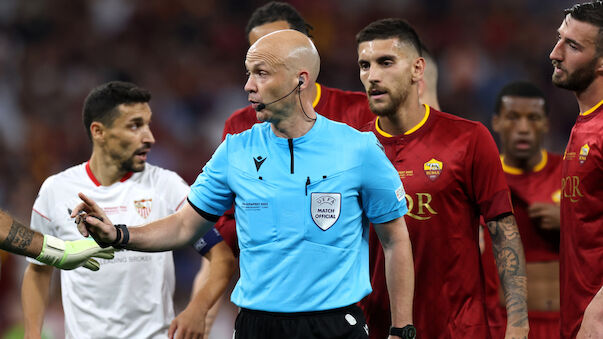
[(131, 295)]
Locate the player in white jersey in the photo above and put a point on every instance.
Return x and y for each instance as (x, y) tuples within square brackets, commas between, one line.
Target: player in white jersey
[(130, 296)]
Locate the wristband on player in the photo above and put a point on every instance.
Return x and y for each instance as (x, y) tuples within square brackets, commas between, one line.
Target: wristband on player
[(406, 332), (121, 239)]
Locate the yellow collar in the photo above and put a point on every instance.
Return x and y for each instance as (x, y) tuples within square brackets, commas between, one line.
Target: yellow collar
[(516, 171), (592, 109), (416, 127)]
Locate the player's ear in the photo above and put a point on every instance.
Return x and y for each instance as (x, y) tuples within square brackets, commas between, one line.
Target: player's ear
[(97, 131), (418, 69), (496, 123), (599, 68)]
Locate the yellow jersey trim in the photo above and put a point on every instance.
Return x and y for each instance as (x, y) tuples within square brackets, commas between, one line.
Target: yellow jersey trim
[(421, 123), (317, 98), (516, 171), (592, 109)]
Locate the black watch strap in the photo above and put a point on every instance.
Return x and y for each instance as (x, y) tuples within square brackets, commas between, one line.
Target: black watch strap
[(406, 332)]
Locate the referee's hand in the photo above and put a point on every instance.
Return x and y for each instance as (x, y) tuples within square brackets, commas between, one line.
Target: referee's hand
[(92, 220)]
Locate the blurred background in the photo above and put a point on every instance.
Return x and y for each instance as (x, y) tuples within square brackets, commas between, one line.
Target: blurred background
[(190, 55)]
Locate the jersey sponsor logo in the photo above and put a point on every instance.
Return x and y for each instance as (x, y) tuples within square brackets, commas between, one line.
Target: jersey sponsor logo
[(325, 209), (143, 207), (433, 169), (569, 156), (419, 208), (570, 188), (259, 160), (583, 153)]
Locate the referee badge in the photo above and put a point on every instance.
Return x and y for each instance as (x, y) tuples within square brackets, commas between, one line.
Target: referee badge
[(325, 209)]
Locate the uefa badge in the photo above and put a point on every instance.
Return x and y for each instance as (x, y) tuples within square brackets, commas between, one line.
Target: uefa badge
[(583, 153), (143, 207), (325, 209), (433, 169)]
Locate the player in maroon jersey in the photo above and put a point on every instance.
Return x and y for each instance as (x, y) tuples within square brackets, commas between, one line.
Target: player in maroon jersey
[(577, 58), (452, 174), (534, 178)]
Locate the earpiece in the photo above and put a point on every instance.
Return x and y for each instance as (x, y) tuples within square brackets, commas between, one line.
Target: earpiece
[(301, 81)]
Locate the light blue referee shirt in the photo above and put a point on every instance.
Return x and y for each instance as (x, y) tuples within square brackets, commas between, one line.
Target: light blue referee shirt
[(302, 208)]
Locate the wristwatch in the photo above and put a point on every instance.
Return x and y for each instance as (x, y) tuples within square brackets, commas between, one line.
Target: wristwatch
[(406, 332)]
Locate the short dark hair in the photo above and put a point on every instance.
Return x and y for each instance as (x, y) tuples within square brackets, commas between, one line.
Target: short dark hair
[(101, 103), (390, 28), (592, 13), (521, 89), (276, 11)]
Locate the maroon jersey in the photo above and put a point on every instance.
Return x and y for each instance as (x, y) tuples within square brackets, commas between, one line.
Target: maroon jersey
[(343, 106), (581, 263), (451, 173), (541, 184)]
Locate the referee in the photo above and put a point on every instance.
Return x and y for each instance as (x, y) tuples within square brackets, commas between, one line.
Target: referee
[(305, 189)]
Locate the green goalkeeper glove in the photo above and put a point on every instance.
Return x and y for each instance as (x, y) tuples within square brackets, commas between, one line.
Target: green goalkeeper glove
[(68, 255)]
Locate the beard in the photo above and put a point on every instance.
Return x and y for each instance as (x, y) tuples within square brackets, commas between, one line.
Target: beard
[(579, 80), (390, 109), (129, 166)]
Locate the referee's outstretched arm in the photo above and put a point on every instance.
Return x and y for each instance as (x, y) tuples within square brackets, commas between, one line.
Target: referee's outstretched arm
[(399, 269)]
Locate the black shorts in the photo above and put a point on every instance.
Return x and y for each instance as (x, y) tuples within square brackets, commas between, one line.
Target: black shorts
[(340, 323)]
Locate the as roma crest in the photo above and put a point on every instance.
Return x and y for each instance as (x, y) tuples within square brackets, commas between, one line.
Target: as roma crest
[(143, 207), (325, 209), (433, 169), (584, 150)]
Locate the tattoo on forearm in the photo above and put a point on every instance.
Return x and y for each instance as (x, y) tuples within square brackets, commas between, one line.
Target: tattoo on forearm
[(510, 261), (19, 238)]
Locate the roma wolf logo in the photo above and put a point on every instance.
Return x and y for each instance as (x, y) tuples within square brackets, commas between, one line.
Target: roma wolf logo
[(583, 153), (143, 207), (433, 169), (325, 209)]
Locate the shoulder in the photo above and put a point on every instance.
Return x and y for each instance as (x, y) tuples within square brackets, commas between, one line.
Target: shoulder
[(70, 176), (342, 94), (240, 120), (458, 125)]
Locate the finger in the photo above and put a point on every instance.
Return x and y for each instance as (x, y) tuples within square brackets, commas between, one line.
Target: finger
[(172, 329), (91, 204), (92, 265), (81, 227), (81, 207), (105, 254), (95, 222)]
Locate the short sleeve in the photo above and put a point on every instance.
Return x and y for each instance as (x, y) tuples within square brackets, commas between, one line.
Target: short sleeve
[(382, 193), (174, 190), (40, 215), (488, 183), (210, 194)]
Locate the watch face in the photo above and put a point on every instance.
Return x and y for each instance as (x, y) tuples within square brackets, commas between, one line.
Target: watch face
[(411, 332)]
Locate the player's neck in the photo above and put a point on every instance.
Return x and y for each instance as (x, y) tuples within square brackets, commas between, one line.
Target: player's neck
[(408, 116), (296, 125), (591, 96), (105, 170), (525, 165)]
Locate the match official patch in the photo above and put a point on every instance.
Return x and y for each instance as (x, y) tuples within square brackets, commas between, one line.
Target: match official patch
[(325, 209), (400, 192)]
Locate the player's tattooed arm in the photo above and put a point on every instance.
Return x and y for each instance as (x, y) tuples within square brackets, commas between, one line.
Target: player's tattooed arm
[(510, 261), (18, 239)]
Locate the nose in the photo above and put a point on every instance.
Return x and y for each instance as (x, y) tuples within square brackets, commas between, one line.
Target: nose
[(523, 125), (374, 75), (250, 86), (556, 53), (147, 136)]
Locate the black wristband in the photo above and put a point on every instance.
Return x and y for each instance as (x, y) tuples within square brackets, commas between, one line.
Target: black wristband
[(123, 236), (406, 332)]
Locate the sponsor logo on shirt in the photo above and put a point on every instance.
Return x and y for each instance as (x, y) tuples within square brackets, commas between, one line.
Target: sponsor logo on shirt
[(404, 174), (325, 209), (570, 187), (433, 169), (143, 207), (583, 153), (419, 208)]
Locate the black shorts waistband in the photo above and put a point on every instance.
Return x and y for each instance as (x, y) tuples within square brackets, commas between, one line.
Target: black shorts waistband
[(349, 308)]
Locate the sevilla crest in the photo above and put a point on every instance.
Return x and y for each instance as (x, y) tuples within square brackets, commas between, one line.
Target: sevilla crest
[(143, 207)]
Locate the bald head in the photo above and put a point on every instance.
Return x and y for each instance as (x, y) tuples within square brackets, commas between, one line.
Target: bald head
[(287, 48)]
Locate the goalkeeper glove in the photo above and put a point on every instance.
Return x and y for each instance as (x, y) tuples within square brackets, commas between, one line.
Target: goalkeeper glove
[(68, 255)]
